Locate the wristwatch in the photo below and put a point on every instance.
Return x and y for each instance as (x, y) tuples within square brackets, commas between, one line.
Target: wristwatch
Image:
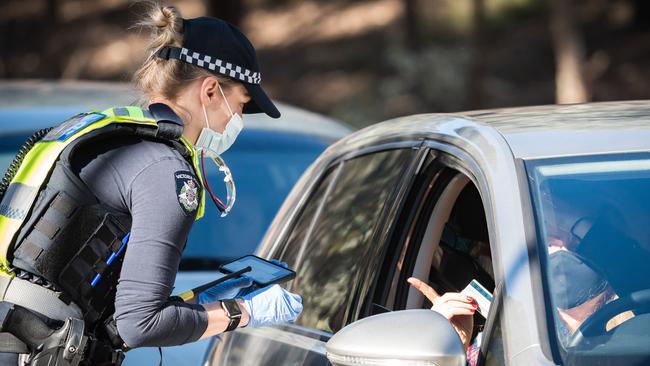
[(233, 312)]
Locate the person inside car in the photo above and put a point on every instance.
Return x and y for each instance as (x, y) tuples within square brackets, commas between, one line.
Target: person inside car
[(579, 291), (580, 286), (459, 309)]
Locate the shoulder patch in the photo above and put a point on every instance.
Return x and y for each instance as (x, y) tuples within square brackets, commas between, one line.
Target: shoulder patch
[(188, 191)]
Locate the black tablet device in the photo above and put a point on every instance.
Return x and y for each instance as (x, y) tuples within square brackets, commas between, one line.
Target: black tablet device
[(263, 272)]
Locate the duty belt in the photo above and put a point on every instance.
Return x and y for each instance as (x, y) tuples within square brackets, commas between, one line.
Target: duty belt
[(37, 298), (69, 345)]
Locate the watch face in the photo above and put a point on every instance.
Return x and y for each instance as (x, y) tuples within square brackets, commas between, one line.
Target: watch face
[(232, 308)]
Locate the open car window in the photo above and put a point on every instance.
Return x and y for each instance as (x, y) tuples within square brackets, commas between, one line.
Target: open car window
[(446, 245), (454, 246)]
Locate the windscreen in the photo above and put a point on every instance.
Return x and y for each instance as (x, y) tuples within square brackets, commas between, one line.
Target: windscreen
[(593, 224)]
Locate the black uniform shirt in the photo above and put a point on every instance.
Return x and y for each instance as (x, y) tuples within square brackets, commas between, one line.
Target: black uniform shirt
[(151, 181)]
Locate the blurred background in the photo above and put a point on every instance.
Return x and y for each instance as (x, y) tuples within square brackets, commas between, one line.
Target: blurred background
[(367, 60)]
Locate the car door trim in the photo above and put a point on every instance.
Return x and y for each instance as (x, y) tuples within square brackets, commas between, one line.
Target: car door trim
[(490, 324)]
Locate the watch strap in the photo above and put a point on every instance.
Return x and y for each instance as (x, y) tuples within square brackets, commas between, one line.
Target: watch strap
[(233, 312)]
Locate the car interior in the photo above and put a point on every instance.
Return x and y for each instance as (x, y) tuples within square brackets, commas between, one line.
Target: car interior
[(454, 249)]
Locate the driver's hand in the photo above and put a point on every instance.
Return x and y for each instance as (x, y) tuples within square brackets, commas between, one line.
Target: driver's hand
[(456, 307)]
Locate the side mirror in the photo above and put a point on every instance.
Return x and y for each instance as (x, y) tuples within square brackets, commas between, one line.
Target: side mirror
[(409, 337)]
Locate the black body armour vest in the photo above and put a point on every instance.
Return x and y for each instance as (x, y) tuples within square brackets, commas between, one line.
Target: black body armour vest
[(69, 234)]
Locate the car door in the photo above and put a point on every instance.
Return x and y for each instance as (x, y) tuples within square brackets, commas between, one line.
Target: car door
[(331, 243)]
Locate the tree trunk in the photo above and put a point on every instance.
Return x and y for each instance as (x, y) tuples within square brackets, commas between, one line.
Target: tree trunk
[(411, 25), (51, 58), (229, 10), (52, 12), (570, 85), (641, 14), (477, 62)]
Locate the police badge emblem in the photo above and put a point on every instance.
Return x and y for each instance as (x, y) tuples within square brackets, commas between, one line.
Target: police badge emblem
[(187, 189)]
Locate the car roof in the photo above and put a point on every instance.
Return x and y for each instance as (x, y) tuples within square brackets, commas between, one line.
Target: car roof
[(530, 132), (573, 129), (38, 104)]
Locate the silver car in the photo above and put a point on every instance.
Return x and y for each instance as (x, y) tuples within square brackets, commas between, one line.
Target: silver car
[(547, 207)]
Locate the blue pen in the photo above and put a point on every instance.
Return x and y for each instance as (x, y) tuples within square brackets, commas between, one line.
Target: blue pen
[(111, 258)]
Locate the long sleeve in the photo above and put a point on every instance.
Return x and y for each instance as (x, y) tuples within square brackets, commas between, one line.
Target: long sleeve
[(157, 187)]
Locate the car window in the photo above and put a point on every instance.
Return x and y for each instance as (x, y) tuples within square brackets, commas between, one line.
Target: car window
[(5, 160), (463, 251), (305, 219), (446, 245), (263, 181), (454, 248), (338, 241)]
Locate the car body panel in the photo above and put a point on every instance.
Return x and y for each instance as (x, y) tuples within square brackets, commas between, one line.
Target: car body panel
[(281, 345), (572, 129)]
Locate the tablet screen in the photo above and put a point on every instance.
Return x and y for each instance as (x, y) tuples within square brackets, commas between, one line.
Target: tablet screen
[(262, 272)]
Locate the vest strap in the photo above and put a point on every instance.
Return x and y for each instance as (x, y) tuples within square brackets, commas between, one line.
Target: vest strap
[(63, 205), (47, 228), (170, 127)]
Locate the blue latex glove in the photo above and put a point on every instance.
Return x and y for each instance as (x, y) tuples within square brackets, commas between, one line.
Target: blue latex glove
[(279, 263), (272, 305), (225, 290)]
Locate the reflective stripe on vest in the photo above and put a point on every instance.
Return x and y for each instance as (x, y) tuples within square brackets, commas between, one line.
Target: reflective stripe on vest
[(38, 163)]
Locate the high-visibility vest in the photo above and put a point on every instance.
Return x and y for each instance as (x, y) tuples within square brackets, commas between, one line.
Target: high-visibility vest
[(44, 199)]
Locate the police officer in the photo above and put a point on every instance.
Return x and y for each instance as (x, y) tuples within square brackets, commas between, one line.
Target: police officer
[(113, 194)]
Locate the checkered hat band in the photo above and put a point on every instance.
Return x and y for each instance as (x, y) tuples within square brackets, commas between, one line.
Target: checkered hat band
[(212, 64)]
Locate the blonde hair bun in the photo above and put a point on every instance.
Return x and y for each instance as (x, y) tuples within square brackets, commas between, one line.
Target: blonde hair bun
[(167, 17)]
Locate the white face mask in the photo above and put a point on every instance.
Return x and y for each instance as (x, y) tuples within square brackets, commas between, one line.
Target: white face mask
[(215, 143)]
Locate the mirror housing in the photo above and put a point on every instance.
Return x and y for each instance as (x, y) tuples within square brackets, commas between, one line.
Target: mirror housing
[(409, 337)]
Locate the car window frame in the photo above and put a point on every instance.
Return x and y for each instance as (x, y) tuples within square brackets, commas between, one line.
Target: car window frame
[(456, 159), (546, 328), (494, 317), (447, 163)]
